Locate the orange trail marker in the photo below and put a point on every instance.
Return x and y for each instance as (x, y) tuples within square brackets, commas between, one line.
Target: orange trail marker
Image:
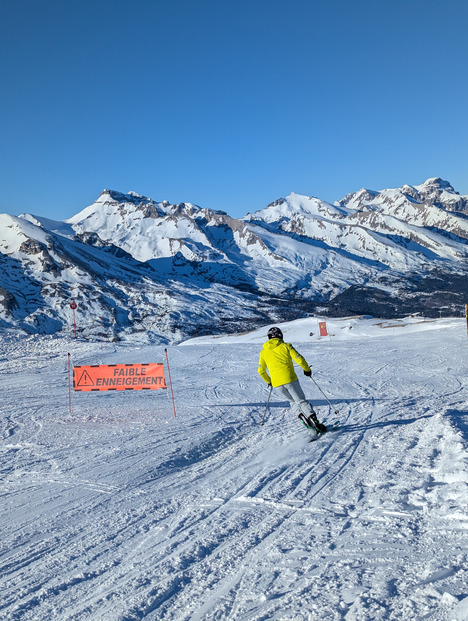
[(323, 328)]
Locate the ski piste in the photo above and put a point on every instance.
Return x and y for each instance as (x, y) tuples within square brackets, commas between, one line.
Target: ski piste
[(128, 512)]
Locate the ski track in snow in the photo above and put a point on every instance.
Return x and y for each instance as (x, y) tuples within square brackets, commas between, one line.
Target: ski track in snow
[(119, 511)]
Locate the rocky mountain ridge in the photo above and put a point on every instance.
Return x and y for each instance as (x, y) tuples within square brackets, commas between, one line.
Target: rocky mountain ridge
[(171, 271)]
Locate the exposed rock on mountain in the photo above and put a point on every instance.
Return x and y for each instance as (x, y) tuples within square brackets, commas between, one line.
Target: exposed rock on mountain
[(171, 271)]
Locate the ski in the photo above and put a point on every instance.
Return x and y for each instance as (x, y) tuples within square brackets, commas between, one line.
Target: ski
[(332, 426), (335, 426)]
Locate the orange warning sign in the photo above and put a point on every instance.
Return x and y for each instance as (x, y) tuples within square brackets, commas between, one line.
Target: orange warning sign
[(119, 377), (323, 328)]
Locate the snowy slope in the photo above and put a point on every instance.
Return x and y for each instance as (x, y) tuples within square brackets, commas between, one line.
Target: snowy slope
[(119, 511)]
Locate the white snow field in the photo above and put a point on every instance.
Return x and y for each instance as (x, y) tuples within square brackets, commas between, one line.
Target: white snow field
[(121, 511)]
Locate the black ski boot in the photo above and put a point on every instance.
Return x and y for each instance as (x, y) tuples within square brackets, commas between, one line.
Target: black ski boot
[(308, 422), (319, 426)]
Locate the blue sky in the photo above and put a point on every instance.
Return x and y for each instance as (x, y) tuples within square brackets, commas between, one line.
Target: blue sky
[(228, 104)]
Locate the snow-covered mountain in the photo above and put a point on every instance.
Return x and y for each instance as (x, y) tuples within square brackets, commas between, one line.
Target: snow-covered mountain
[(134, 264)]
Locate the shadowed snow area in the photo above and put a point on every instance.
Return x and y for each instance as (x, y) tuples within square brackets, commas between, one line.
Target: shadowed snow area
[(121, 511)]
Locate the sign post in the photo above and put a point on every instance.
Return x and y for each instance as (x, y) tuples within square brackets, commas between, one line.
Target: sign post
[(170, 382), (69, 385), (73, 306)]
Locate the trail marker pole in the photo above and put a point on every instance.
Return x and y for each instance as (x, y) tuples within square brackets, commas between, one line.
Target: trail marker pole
[(69, 386), (466, 315), (73, 306), (170, 382)]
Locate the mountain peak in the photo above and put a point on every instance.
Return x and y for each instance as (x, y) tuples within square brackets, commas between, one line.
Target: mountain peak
[(436, 183), (120, 197)]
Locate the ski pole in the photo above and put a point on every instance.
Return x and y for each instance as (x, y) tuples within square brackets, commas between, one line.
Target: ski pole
[(336, 411), (267, 403)]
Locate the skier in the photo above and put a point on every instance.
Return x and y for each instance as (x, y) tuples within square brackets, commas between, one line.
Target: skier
[(277, 356)]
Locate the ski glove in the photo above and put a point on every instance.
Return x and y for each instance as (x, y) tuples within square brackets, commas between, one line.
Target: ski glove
[(308, 373)]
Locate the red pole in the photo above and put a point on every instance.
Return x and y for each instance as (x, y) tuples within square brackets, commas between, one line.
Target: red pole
[(73, 305), (69, 386), (170, 383)]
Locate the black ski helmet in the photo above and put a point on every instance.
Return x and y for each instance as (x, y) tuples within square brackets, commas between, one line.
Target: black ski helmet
[(275, 333)]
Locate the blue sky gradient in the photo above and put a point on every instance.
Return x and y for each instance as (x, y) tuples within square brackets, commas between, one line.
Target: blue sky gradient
[(229, 105)]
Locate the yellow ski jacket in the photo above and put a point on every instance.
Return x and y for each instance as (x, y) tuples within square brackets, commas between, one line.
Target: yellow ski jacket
[(277, 356)]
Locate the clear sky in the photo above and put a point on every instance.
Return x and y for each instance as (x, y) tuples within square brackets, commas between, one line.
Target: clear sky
[(229, 104)]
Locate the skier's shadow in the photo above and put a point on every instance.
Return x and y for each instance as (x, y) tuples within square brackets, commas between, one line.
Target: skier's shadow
[(459, 419), (320, 403), (383, 423), (285, 404)]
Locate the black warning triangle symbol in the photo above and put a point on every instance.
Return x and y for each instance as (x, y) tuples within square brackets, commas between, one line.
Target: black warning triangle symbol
[(85, 379)]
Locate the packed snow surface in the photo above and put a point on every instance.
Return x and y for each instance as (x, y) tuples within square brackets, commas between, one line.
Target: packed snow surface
[(119, 510)]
